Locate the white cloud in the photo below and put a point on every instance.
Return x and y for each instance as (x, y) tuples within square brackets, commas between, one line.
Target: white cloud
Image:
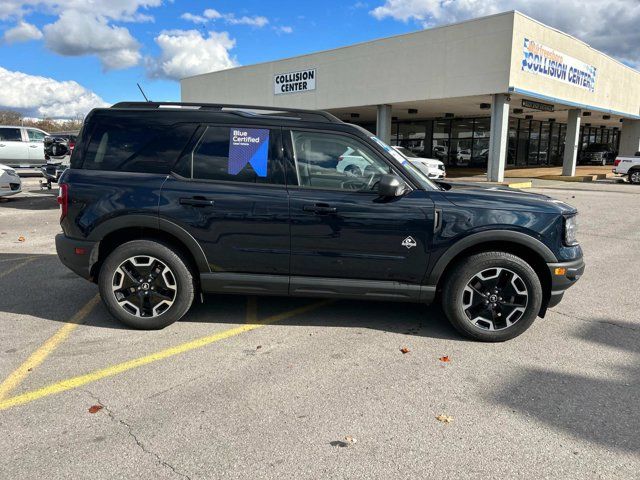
[(229, 18), (610, 26), (256, 21), (186, 52), (119, 10), (77, 34), (22, 32), (41, 96), (283, 29)]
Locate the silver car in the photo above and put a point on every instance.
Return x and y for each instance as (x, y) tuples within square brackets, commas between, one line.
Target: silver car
[(22, 146), (10, 182)]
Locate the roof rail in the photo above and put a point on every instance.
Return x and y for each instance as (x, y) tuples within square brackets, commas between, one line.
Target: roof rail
[(300, 113)]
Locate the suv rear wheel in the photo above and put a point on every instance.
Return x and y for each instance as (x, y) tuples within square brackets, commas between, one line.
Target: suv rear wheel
[(492, 296), (146, 285), (634, 177)]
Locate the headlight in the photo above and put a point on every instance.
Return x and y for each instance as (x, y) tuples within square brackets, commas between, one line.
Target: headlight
[(570, 230)]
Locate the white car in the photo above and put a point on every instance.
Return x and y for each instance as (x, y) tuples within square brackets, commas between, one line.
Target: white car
[(629, 167), (10, 182), (431, 167), (22, 146)]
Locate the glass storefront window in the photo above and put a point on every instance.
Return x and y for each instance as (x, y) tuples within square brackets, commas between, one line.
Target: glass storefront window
[(415, 136), (480, 151), (440, 145), (461, 142)]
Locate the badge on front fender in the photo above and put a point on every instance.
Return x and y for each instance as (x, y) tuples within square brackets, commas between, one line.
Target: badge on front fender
[(409, 242)]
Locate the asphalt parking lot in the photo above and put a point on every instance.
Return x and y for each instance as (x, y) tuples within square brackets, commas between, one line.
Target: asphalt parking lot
[(281, 388)]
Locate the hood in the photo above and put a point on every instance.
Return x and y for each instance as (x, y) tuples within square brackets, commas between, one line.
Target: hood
[(499, 197), (430, 161), (6, 167)]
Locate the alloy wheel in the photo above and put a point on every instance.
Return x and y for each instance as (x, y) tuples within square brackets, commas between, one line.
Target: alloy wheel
[(144, 286), (495, 298)]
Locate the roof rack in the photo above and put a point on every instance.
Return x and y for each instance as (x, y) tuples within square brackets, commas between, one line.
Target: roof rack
[(301, 114)]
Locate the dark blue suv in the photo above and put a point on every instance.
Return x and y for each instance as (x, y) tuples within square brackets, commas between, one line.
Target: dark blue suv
[(165, 201)]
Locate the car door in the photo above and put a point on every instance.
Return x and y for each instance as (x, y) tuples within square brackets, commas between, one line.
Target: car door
[(229, 193), (13, 151), (36, 146), (344, 236)]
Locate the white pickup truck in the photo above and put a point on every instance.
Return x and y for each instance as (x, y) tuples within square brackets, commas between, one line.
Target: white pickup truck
[(629, 167)]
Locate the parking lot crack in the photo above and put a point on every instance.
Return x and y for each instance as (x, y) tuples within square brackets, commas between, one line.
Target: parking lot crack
[(116, 419), (602, 322)]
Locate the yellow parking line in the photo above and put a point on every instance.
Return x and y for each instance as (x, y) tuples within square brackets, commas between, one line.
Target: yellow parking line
[(37, 357), (96, 375), (16, 267)]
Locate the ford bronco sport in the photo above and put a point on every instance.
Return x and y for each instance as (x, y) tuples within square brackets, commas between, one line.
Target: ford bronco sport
[(163, 202)]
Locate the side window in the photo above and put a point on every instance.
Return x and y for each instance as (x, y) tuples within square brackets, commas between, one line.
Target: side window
[(36, 135), (10, 135), (135, 147), (238, 154), (336, 162)]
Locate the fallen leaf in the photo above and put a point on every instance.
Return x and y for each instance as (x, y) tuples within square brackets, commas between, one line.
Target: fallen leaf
[(444, 359), (350, 439), (95, 408), (21, 239), (405, 350), (444, 418), (258, 347)]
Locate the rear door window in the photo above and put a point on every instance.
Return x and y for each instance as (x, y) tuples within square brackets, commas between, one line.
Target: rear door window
[(235, 154), (136, 147), (10, 134), (36, 135)]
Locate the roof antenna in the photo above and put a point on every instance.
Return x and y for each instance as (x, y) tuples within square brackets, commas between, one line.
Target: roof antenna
[(142, 92)]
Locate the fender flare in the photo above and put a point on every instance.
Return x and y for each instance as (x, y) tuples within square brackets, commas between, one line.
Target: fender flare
[(154, 223), (488, 236)]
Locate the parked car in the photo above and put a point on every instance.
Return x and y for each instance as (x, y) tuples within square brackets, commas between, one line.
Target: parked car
[(628, 167), (10, 182), (21, 146), (69, 138), (58, 148), (598, 154), (431, 167), (162, 203)]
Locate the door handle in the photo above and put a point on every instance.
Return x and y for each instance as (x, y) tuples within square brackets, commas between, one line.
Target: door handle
[(320, 209), (197, 202), (34, 146), (2, 145)]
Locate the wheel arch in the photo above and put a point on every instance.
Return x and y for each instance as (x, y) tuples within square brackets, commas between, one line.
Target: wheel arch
[(534, 252), (117, 231)]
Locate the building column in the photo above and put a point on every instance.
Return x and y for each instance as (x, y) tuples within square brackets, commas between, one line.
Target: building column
[(629, 138), (498, 137), (383, 123), (571, 143)]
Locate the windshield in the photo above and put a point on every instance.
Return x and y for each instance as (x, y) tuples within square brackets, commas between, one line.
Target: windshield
[(414, 172), (406, 152)]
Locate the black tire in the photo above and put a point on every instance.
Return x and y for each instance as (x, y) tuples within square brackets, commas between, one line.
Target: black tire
[(458, 290), (634, 177), (180, 291)]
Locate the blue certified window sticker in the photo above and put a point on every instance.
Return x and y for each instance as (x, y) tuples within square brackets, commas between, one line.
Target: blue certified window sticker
[(248, 146)]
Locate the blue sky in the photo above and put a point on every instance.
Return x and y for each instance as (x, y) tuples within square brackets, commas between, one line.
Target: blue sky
[(106, 46)]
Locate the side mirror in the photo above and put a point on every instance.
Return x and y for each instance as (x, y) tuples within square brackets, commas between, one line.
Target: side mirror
[(390, 186)]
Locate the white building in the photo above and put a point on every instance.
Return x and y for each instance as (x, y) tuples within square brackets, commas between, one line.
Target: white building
[(503, 90)]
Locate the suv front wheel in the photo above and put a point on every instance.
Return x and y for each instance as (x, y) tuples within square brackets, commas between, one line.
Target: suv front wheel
[(492, 296), (146, 285)]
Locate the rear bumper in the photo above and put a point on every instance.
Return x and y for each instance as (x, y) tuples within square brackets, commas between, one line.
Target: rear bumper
[(77, 255), (560, 282)]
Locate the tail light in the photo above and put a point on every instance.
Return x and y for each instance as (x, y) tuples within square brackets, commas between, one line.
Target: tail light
[(72, 145), (616, 162), (63, 200)]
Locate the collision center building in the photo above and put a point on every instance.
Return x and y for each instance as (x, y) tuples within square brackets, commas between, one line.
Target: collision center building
[(493, 92)]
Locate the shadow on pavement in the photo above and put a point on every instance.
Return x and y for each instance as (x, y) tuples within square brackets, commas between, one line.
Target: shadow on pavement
[(45, 200), (44, 288), (600, 410)]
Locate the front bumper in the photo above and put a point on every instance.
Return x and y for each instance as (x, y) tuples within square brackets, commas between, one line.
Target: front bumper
[(77, 255), (563, 276)]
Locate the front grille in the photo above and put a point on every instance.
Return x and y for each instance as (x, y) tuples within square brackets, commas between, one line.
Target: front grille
[(14, 186)]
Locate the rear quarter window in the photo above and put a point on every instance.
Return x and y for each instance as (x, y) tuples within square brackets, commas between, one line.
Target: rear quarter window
[(130, 146)]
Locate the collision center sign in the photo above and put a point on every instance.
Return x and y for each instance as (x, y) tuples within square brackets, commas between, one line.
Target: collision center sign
[(293, 82), (541, 60)]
